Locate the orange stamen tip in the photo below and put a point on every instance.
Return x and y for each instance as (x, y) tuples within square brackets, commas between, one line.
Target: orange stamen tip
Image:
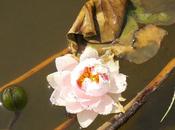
[(87, 73)]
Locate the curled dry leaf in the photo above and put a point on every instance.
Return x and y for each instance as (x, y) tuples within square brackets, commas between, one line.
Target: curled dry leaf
[(100, 25), (99, 21)]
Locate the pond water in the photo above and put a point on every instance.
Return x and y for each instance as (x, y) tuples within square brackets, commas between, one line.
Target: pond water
[(32, 30)]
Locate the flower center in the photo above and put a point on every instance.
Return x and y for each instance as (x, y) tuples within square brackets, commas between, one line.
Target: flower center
[(87, 73)]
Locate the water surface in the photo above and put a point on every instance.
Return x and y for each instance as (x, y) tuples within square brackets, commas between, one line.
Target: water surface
[(32, 30)]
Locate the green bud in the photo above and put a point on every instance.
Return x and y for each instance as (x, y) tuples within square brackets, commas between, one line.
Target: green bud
[(14, 98)]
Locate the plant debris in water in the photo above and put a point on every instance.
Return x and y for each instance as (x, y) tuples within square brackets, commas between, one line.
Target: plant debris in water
[(147, 43), (106, 26)]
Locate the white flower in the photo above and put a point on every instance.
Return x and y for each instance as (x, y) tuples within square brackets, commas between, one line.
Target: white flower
[(89, 87)]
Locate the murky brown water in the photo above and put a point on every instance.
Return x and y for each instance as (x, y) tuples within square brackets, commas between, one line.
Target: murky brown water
[(32, 30)]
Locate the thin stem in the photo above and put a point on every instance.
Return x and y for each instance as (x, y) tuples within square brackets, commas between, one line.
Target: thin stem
[(169, 108), (66, 124), (133, 106), (34, 69), (14, 119)]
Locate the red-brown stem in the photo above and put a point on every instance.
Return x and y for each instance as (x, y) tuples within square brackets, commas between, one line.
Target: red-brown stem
[(66, 124), (34, 69)]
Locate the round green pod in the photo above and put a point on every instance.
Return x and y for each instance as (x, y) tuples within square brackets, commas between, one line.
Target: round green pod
[(14, 98)]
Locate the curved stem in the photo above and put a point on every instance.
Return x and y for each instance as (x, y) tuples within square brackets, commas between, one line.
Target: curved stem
[(12, 122), (169, 108), (35, 69)]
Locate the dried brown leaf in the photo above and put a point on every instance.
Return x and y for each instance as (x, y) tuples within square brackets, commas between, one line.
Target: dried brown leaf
[(147, 44), (99, 21)]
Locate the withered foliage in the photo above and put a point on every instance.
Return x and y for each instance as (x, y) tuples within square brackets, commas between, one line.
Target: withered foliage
[(124, 28)]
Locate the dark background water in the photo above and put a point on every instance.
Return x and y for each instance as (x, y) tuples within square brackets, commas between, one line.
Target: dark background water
[(32, 30)]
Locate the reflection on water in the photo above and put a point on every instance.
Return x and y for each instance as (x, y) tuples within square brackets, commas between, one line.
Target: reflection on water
[(32, 30)]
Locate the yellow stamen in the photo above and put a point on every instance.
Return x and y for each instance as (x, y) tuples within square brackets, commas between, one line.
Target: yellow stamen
[(87, 74)]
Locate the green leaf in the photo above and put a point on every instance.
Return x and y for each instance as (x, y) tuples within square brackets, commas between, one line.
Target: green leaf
[(127, 36), (159, 12)]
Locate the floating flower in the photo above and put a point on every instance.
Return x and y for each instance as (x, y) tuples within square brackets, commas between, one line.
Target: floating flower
[(87, 87)]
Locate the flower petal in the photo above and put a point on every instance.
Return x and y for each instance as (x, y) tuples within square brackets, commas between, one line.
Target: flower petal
[(67, 92), (89, 52), (90, 103), (118, 83), (65, 78), (95, 89), (113, 66), (85, 118), (74, 108), (51, 80), (66, 62), (59, 79), (105, 106), (56, 99), (68, 95)]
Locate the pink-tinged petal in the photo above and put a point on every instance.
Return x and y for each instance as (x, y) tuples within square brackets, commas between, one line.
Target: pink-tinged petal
[(105, 106), (88, 94), (59, 79), (67, 92), (113, 66), (118, 83), (85, 118), (89, 52), (74, 108), (65, 78), (95, 90), (56, 99), (51, 81), (68, 95), (62, 97), (90, 103), (80, 93), (62, 94), (66, 62)]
